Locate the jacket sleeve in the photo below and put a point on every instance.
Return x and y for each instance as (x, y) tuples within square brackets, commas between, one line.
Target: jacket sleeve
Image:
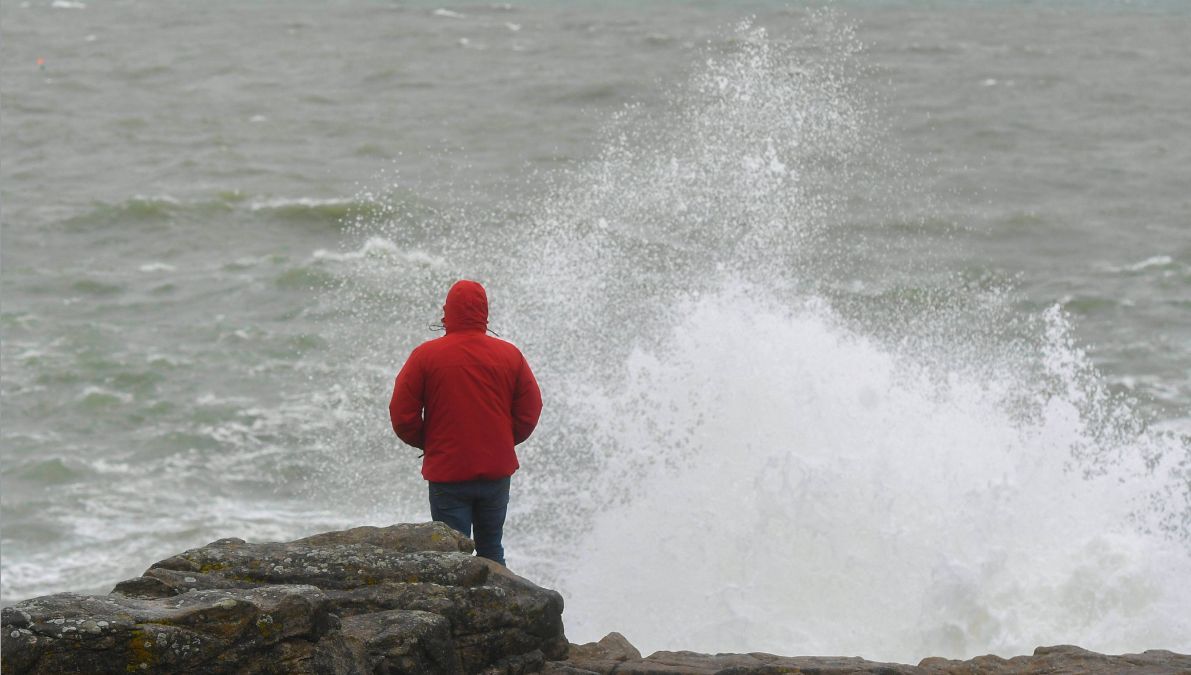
[(527, 404), (405, 408)]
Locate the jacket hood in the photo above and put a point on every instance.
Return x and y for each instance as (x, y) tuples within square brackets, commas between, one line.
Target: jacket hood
[(466, 308)]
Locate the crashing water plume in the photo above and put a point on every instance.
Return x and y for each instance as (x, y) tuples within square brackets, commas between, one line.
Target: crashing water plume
[(772, 134), (734, 436)]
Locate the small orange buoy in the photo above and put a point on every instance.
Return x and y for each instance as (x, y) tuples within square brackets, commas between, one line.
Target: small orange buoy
[(40, 62)]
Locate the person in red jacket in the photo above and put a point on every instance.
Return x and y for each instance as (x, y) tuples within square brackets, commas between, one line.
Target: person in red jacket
[(465, 399)]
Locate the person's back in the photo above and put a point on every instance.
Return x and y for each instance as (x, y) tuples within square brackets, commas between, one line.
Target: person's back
[(466, 399)]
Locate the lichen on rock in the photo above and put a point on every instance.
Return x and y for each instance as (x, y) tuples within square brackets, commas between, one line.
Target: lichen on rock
[(402, 599)]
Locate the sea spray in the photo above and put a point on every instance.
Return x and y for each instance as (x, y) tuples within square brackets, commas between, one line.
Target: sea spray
[(754, 438), (797, 488)]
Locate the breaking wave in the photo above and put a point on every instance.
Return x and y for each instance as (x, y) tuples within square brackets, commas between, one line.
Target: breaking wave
[(751, 424)]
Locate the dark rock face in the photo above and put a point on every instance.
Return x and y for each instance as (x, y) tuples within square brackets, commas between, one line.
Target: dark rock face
[(219, 629), (400, 599), (614, 654)]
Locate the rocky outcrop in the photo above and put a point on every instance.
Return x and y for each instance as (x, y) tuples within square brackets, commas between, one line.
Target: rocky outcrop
[(614, 654), (400, 599), (1066, 660)]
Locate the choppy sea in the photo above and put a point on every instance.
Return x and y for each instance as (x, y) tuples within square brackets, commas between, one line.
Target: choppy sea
[(862, 328)]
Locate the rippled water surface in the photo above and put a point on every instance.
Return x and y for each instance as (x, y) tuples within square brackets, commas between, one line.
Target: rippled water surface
[(863, 330)]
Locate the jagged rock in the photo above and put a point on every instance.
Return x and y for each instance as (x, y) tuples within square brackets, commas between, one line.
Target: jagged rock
[(401, 599), (614, 654), (613, 646), (404, 641), (409, 537), (262, 630), (603, 656)]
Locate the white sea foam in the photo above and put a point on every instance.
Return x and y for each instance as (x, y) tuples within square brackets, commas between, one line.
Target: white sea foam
[(1155, 261), (56, 570), (158, 359), (786, 480), (212, 399), (289, 202), (157, 199), (786, 485), (157, 267), (380, 248), (94, 395)]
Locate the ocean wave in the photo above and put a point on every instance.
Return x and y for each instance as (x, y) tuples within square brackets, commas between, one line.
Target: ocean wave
[(97, 288), (811, 452), (308, 209), (51, 471), (729, 412), (100, 397), (1156, 262), (305, 278), (142, 210), (380, 248), (164, 210), (151, 267)]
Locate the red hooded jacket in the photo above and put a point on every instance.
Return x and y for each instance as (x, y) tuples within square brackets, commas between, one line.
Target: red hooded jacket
[(465, 398)]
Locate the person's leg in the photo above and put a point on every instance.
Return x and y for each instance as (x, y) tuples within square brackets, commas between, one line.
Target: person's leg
[(489, 514), (450, 505)]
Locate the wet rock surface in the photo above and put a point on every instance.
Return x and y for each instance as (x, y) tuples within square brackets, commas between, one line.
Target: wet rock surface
[(400, 599), (218, 630)]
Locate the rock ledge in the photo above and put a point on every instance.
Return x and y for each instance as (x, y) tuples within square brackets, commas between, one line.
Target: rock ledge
[(398, 599), (614, 654)]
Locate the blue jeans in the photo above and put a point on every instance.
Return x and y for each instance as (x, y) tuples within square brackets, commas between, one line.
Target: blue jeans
[(483, 502)]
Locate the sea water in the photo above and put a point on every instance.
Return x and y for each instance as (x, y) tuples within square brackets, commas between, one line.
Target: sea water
[(861, 330)]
